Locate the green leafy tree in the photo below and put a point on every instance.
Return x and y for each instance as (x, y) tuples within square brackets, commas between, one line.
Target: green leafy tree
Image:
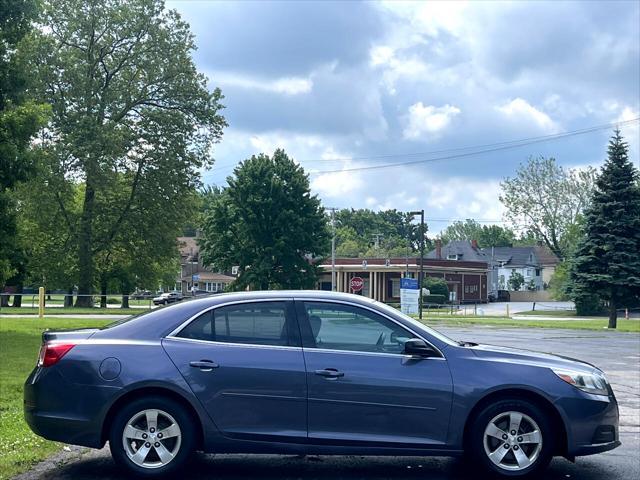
[(548, 200), (267, 223), (607, 264), (485, 235), (20, 119), (133, 120), (516, 281), (397, 232)]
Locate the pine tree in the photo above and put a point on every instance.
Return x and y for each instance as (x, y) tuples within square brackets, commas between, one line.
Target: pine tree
[(607, 262)]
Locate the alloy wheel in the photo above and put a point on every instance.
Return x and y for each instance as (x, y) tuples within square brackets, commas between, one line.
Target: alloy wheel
[(151, 438), (512, 441)]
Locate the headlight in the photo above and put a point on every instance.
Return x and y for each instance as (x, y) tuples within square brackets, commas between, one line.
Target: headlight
[(587, 382)]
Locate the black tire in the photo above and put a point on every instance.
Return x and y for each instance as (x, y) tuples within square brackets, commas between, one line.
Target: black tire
[(476, 443), (165, 405)]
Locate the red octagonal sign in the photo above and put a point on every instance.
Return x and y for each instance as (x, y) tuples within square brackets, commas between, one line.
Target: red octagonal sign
[(356, 284)]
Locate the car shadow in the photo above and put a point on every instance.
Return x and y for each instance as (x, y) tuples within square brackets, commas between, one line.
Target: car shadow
[(290, 467)]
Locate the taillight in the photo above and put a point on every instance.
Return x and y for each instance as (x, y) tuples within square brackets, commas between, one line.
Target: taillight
[(52, 353)]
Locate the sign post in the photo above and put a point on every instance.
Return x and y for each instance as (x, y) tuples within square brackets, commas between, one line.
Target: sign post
[(356, 284), (409, 296)]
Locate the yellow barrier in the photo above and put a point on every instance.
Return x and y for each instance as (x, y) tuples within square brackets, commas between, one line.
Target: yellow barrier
[(41, 302)]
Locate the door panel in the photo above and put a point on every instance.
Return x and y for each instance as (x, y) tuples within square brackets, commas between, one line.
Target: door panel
[(252, 391), (381, 396)]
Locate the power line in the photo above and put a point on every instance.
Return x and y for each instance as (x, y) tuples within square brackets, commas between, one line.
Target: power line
[(487, 148), (503, 146)]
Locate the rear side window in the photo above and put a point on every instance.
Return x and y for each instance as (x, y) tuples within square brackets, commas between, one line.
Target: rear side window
[(263, 323)]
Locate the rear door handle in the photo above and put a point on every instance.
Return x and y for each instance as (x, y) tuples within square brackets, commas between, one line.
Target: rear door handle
[(330, 373), (204, 365)]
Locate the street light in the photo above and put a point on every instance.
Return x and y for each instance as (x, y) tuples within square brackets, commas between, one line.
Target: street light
[(421, 276)]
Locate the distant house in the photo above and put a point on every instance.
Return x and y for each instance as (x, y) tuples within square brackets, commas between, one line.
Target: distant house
[(193, 273), (535, 263)]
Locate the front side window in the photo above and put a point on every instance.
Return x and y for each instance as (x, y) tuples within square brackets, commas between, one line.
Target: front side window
[(263, 323), (345, 327)]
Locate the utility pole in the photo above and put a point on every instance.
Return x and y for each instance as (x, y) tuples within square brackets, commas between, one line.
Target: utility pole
[(377, 237), (333, 247), (421, 276)]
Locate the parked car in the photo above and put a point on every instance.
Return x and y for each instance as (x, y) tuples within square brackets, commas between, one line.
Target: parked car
[(167, 297), (310, 373), (141, 294)]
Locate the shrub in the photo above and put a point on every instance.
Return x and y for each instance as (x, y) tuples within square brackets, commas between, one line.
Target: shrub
[(588, 305), (436, 286), (434, 299)]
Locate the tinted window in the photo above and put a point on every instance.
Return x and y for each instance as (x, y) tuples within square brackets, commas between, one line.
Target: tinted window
[(343, 327), (262, 323)]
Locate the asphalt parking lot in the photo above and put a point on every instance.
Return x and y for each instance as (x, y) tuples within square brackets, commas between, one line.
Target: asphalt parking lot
[(618, 354)]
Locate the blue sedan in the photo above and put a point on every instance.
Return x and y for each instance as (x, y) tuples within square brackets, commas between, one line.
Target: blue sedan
[(310, 372)]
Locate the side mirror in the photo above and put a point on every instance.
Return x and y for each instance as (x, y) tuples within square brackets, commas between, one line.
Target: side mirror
[(419, 348)]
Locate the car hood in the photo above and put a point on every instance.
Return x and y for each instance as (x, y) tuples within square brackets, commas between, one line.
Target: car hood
[(528, 357)]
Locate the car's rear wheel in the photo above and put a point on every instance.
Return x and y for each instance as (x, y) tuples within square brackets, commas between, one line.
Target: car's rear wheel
[(512, 438), (152, 436)]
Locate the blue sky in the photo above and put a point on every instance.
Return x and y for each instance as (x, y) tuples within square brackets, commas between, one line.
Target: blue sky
[(352, 81)]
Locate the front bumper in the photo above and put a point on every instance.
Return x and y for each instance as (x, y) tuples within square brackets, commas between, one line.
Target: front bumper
[(592, 423), (598, 448)]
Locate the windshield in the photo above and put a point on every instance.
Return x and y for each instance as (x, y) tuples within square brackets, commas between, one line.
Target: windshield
[(415, 323)]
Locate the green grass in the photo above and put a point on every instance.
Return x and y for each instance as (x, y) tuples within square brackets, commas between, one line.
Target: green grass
[(549, 313), (72, 310), (19, 344), (591, 324)]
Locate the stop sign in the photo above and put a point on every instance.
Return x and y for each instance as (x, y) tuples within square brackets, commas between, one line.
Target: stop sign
[(356, 284)]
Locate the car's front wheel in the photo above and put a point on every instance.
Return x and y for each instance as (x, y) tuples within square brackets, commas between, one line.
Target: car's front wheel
[(512, 438), (152, 436)]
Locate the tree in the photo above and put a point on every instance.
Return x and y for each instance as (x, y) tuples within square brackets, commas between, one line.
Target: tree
[(133, 121), (548, 200), (516, 281), (485, 235), (607, 264), (357, 230), (20, 119), (267, 223)]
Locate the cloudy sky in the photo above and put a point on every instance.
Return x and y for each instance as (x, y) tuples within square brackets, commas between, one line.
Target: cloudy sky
[(344, 85)]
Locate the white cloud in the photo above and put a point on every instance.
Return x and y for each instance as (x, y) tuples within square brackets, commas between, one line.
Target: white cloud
[(342, 186), (630, 131), (427, 119), (284, 85), (519, 110)]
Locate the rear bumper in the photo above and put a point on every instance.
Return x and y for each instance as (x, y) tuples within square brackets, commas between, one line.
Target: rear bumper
[(75, 431), (61, 411)]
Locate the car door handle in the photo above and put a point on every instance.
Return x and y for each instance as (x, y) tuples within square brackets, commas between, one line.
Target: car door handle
[(204, 365), (330, 373)]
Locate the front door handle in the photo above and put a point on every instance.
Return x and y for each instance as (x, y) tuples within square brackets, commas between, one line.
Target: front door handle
[(204, 365), (330, 373)]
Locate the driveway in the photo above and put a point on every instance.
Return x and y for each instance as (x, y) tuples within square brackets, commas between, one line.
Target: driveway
[(618, 354)]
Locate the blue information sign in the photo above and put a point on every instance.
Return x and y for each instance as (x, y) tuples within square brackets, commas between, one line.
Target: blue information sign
[(409, 283)]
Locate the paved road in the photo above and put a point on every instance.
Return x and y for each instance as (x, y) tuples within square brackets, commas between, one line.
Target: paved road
[(618, 354)]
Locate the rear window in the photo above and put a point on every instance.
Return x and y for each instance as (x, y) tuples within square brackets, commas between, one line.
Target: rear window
[(263, 323)]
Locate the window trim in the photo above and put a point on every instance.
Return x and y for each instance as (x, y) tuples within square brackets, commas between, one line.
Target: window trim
[(289, 316), (301, 314)]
